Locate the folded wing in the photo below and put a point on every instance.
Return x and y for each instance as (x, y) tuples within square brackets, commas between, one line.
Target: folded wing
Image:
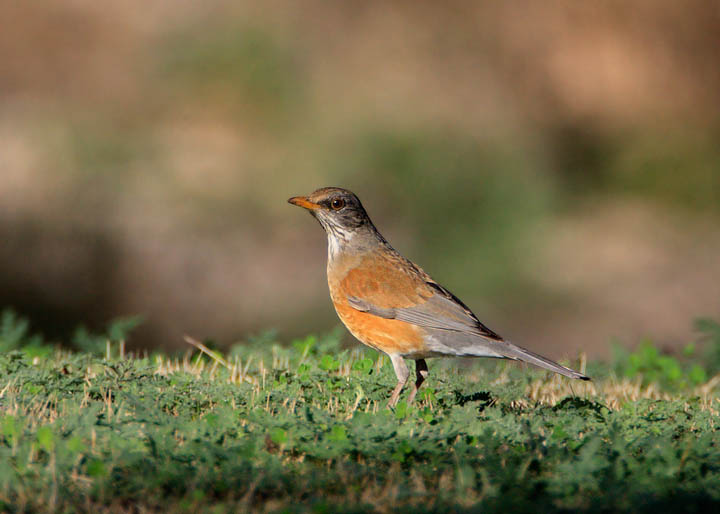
[(454, 330)]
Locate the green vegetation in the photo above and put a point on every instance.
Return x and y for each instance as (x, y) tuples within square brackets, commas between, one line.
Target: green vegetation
[(303, 427), (245, 63)]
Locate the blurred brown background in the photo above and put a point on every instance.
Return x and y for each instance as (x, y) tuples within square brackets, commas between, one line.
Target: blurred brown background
[(555, 164)]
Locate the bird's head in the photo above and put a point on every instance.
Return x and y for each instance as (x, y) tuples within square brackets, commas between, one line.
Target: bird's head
[(338, 210)]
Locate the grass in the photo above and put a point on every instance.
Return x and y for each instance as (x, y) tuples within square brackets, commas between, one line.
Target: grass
[(304, 427)]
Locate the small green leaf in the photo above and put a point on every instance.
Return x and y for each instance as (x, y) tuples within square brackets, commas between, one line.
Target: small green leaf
[(328, 363), (337, 433), (671, 368), (33, 388), (427, 415), (401, 410), (304, 346), (121, 327), (402, 451), (278, 436), (697, 374), (75, 445), (96, 468), (212, 419), (363, 365), (428, 394), (46, 438)]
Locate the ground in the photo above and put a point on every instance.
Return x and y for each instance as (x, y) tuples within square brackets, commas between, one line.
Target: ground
[(304, 427)]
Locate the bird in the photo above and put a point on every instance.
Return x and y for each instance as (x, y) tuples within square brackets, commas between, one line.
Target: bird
[(390, 304)]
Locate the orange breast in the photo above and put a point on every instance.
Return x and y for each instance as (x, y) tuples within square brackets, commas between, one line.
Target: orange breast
[(387, 335), (386, 283)]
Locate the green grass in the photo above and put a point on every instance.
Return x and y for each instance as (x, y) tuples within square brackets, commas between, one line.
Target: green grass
[(304, 427)]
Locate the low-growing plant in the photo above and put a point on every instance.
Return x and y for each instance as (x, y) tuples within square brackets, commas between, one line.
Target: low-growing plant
[(689, 367), (304, 428), (100, 343), (15, 334)]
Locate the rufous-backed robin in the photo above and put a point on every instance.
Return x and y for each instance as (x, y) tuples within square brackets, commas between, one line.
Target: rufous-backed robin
[(392, 305)]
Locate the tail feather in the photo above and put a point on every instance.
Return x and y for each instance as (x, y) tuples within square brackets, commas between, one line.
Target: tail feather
[(512, 351)]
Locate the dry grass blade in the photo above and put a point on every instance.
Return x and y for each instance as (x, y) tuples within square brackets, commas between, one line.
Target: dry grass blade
[(207, 351)]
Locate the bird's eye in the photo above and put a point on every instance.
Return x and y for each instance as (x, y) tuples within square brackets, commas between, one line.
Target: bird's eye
[(337, 204)]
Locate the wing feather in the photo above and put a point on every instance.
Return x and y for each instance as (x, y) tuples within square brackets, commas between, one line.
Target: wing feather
[(438, 312)]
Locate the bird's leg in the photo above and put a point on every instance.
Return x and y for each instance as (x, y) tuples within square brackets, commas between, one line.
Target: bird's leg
[(402, 373), (421, 373)]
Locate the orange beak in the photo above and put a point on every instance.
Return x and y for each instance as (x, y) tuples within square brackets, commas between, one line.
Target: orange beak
[(302, 201)]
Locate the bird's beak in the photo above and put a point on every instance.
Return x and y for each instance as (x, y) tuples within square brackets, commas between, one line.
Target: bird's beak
[(302, 201)]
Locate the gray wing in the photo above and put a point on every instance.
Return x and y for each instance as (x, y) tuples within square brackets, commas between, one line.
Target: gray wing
[(454, 330), (437, 312)]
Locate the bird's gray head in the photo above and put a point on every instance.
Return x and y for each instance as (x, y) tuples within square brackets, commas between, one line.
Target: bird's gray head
[(338, 210)]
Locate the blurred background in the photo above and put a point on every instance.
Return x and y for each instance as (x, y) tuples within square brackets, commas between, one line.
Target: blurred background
[(554, 164)]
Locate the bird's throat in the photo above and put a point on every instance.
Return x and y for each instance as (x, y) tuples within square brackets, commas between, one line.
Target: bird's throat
[(338, 242)]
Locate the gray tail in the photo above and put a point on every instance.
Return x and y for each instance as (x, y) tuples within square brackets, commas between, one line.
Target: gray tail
[(512, 351)]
